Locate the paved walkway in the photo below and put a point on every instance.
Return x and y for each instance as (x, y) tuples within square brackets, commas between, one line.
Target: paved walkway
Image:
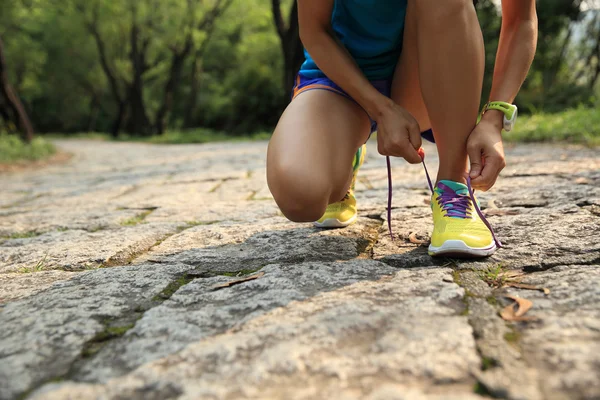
[(122, 277)]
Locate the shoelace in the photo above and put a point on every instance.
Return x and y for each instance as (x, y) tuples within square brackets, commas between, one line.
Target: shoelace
[(461, 203)]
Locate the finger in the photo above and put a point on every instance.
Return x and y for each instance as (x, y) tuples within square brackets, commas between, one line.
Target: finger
[(475, 159), (381, 148), (489, 174), (414, 134), (411, 154)]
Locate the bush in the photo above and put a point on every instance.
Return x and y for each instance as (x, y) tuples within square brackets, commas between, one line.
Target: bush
[(12, 149)]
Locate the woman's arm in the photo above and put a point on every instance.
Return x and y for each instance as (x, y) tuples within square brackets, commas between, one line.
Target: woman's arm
[(516, 49), (316, 33), (399, 133)]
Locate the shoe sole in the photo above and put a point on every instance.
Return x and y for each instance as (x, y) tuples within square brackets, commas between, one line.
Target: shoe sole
[(332, 223), (459, 249)]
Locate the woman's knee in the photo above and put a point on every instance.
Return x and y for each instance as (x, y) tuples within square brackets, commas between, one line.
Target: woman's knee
[(300, 195)]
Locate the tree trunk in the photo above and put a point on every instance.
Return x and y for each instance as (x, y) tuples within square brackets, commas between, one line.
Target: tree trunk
[(190, 108), (291, 45), (138, 122), (118, 122), (13, 101), (171, 86), (178, 59)]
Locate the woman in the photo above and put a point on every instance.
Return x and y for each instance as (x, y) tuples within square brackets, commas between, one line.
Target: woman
[(403, 68)]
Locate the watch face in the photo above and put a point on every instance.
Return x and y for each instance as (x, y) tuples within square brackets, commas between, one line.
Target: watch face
[(510, 123)]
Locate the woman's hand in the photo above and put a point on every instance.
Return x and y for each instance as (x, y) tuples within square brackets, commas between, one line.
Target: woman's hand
[(486, 151), (398, 133)]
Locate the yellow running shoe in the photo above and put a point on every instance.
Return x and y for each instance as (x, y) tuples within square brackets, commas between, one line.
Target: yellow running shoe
[(459, 228), (343, 213)]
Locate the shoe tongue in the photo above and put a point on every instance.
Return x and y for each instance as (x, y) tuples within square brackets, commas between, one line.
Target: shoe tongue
[(457, 187)]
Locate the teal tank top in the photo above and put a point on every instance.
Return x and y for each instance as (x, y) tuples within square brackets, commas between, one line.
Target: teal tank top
[(372, 31)]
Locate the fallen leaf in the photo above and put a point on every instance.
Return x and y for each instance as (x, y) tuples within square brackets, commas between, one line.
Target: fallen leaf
[(492, 204), (512, 274), (413, 239), (528, 287), (516, 311), (238, 281)]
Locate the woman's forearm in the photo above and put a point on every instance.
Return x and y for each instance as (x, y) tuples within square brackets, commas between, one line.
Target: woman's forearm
[(513, 59)]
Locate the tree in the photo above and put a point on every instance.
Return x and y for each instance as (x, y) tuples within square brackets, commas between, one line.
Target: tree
[(291, 45), (156, 47), (12, 100)]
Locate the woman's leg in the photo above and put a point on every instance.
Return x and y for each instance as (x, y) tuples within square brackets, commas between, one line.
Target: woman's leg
[(309, 160), (439, 76)]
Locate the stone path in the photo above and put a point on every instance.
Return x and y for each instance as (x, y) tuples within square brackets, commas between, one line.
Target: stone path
[(110, 269)]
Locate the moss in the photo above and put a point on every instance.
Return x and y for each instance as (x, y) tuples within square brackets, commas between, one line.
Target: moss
[(488, 363), (99, 341), (456, 277), (492, 301), (137, 219), (481, 390), (172, 287), (22, 235), (512, 337)]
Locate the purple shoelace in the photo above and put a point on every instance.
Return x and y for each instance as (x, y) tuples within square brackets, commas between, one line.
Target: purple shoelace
[(459, 203)]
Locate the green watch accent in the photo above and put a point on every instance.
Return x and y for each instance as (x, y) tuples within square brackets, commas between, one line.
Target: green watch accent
[(510, 112)]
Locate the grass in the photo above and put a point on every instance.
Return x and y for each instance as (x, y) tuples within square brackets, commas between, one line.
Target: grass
[(39, 267), (137, 219), (493, 276), (13, 149), (22, 235), (199, 135), (580, 125)]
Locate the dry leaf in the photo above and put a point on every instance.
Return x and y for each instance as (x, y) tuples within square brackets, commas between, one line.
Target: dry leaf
[(492, 204), (512, 274), (528, 287), (517, 310), (238, 281), (413, 239)]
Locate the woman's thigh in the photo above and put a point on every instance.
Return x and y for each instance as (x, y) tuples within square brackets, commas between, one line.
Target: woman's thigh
[(310, 154)]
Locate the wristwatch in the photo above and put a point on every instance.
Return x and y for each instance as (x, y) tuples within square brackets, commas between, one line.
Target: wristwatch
[(510, 112)]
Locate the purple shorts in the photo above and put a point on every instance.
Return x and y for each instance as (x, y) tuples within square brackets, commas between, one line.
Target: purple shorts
[(384, 86)]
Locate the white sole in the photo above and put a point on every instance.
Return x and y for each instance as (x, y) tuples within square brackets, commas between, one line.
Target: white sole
[(332, 223), (458, 248)]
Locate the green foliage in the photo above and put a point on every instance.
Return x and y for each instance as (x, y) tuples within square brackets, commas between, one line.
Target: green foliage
[(12, 149), (202, 136), (580, 125), (232, 81)]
